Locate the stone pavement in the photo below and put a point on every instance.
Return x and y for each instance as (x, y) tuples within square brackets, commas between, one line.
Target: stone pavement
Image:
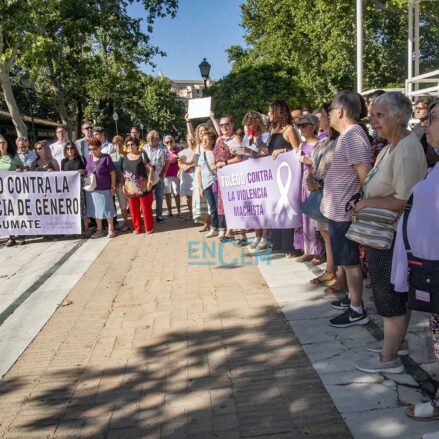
[(372, 405), (158, 343)]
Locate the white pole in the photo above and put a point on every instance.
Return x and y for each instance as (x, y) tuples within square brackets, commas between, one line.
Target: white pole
[(410, 46), (359, 46), (417, 43)]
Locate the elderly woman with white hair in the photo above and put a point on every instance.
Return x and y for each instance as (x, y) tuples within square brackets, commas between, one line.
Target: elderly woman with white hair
[(399, 166)]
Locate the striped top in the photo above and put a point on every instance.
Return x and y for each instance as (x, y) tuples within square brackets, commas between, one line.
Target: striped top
[(342, 182)]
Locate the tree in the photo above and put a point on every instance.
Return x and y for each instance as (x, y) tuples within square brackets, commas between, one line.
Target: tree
[(65, 42), (254, 86), (316, 38)]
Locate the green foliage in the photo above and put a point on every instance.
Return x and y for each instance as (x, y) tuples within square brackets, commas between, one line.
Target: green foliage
[(252, 87), (316, 39)]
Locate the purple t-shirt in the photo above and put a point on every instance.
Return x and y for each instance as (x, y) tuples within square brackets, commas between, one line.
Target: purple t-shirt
[(102, 168)]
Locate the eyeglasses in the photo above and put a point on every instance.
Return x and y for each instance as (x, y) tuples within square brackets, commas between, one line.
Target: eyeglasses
[(334, 108), (131, 144), (168, 141), (70, 148), (87, 128), (93, 149), (301, 125), (2, 143), (420, 108), (39, 148), (430, 117), (224, 125)]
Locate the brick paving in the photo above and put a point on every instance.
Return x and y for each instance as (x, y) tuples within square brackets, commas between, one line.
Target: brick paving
[(152, 347)]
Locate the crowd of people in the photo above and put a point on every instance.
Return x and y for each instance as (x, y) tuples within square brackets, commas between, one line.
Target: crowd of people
[(357, 156)]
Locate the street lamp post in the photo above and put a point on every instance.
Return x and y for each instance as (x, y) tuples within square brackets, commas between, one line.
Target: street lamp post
[(116, 118), (94, 112), (27, 84), (205, 71)]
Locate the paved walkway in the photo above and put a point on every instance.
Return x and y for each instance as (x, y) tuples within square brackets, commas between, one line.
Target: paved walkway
[(153, 347)]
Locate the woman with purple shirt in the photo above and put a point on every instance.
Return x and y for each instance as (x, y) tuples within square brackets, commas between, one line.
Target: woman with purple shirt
[(423, 236), (307, 238), (100, 201)]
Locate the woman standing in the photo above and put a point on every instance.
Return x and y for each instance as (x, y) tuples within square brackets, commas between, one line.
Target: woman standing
[(284, 138), (207, 181), (306, 238), (223, 157), (117, 157), (72, 161), (137, 184), (399, 166), (9, 161), (187, 169), (172, 182), (100, 201), (44, 162), (322, 158)]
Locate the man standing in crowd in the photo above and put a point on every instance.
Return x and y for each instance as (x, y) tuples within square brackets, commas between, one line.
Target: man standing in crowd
[(82, 143), (296, 115), (158, 156), (349, 168), (135, 132), (27, 156), (107, 146), (57, 148)]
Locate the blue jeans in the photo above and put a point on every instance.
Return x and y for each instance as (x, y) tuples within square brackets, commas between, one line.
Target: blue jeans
[(158, 195), (211, 199)]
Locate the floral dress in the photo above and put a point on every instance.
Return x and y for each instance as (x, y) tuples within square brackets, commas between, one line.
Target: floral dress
[(307, 238), (221, 153)]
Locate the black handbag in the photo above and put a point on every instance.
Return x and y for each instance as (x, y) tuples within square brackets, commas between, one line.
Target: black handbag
[(423, 275)]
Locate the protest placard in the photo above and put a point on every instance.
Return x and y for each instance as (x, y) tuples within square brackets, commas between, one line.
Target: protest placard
[(262, 193), (40, 203), (198, 108)]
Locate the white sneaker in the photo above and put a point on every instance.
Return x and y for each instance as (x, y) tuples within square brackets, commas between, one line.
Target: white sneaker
[(377, 347), (221, 234), (211, 233)]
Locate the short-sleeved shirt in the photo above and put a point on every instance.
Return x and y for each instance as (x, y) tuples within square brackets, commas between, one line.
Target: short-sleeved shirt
[(187, 157), (57, 150), (173, 167), (117, 160), (157, 156), (28, 157), (205, 162), (8, 163), (342, 182), (103, 168), (135, 175), (107, 147), (396, 173)]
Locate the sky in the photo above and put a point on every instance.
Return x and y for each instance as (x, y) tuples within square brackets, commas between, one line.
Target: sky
[(201, 29)]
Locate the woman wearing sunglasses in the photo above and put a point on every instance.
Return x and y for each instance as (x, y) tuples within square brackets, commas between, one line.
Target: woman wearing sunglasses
[(100, 201), (73, 161), (44, 162)]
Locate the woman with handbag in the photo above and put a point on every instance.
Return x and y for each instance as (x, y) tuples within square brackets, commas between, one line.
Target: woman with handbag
[(186, 171), (321, 162), (420, 226), (399, 166), (306, 237), (99, 199), (138, 175), (207, 181)]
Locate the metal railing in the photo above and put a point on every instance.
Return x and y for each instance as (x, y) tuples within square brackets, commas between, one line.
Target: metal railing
[(412, 85)]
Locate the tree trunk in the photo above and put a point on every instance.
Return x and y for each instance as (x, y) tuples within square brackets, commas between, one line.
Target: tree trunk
[(61, 103), (5, 82)]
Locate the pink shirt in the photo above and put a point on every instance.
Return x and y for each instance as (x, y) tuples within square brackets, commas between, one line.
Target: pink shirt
[(342, 182), (173, 167)]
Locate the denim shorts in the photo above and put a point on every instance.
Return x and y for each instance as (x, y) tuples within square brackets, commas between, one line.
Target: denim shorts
[(344, 251)]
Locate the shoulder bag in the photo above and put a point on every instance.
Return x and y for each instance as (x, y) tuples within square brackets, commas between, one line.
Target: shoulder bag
[(90, 181), (311, 206), (423, 275), (373, 227), (215, 183)]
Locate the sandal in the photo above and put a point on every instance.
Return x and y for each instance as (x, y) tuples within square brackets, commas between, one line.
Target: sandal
[(318, 260), (424, 411), (98, 234), (10, 242), (263, 246), (242, 242), (226, 239), (304, 258), (111, 235), (335, 290), (204, 229), (319, 281), (125, 228)]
